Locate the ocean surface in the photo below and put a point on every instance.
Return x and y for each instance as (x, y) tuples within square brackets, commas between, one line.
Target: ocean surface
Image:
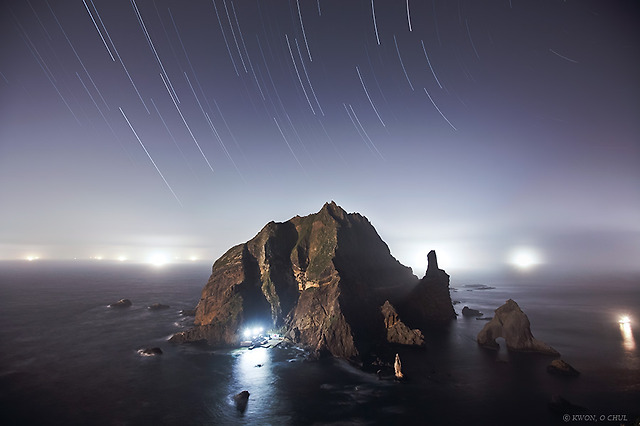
[(66, 358)]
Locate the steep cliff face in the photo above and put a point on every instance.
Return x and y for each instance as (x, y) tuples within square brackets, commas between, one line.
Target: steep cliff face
[(321, 278)]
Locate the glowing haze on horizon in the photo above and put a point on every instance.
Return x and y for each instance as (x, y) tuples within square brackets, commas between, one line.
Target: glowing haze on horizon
[(499, 133)]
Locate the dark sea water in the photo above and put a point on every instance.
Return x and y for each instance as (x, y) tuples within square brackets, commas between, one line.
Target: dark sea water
[(66, 358)]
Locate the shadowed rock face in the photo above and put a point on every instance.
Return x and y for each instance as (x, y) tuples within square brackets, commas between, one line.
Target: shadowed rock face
[(512, 324), (321, 278), (397, 331)]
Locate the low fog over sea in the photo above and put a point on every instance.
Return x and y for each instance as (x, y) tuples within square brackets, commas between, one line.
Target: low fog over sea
[(67, 358)]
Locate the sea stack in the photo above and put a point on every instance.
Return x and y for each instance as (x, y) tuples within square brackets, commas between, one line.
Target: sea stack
[(429, 303), (513, 325)]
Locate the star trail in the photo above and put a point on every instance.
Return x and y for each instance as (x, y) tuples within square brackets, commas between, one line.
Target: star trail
[(468, 127)]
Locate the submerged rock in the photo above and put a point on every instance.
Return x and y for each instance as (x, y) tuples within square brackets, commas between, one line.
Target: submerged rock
[(241, 400), (157, 307), (561, 368), (122, 303), (188, 312), (150, 351), (468, 312), (397, 331), (513, 325)]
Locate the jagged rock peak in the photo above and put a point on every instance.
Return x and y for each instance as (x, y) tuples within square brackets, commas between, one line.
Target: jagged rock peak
[(334, 210), (432, 263)]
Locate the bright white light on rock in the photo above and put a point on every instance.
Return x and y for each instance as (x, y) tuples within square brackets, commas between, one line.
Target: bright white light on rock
[(252, 332)]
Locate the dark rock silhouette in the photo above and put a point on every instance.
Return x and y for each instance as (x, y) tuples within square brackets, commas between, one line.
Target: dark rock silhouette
[(397, 331), (512, 324), (122, 303), (559, 367), (322, 278), (468, 312), (157, 307), (429, 303), (241, 399)]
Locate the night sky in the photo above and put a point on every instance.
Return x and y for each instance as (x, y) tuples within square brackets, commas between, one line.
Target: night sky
[(486, 130)]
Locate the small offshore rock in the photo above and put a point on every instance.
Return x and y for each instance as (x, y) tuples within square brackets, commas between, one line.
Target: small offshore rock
[(188, 312), (561, 368), (468, 312), (150, 351), (157, 307), (397, 368), (122, 303), (241, 400), (472, 287)]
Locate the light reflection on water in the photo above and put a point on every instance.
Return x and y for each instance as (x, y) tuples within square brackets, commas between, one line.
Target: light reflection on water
[(628, 343), (253, 372)]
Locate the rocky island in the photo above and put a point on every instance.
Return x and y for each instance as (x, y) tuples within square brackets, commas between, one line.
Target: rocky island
[(327, 281)]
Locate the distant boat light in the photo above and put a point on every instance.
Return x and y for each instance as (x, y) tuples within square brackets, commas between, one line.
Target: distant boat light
[(625, 320), (158, 259)]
